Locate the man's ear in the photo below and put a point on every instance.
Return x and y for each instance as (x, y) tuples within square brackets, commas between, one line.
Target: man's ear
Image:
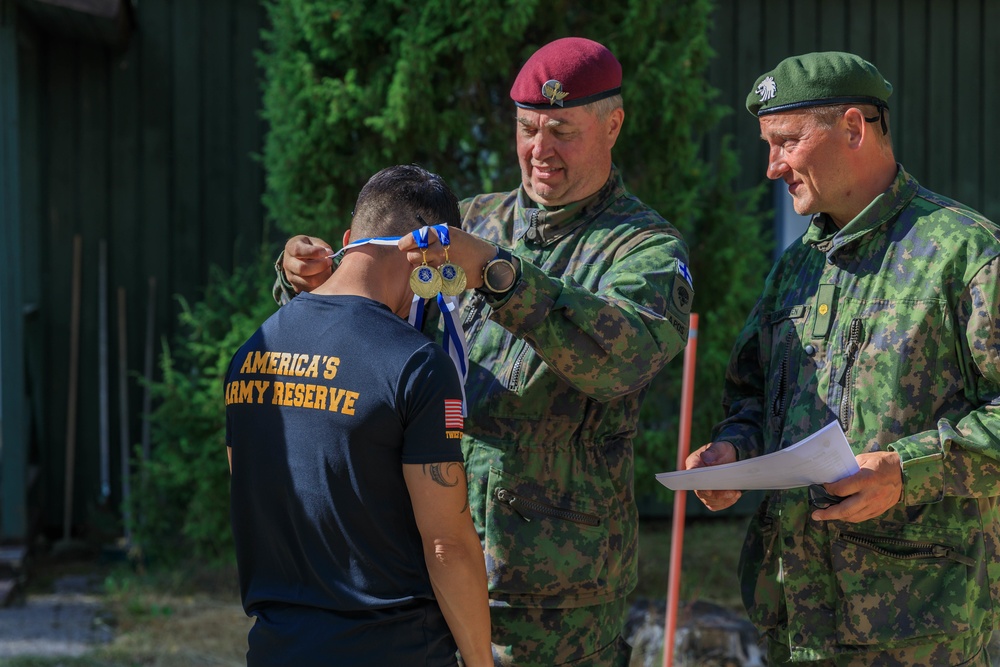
[(347, 237), (614, 127), (857, 128)]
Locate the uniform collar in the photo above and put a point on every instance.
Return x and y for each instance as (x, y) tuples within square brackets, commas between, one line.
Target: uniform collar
[(825, 237), (546, 226)]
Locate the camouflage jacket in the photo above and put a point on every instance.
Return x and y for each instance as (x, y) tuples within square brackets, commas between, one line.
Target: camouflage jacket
[(890, 326), (558, 370)]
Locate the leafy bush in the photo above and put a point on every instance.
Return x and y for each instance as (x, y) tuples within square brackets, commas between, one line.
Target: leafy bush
[(181, 506)]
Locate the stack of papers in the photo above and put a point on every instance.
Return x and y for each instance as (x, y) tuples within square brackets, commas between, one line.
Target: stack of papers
[(825, 456)]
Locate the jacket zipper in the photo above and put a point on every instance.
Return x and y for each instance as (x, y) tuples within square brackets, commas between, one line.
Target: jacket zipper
[(526, 507), (778, 405), (515, 371), (918, 549), (844, 378)]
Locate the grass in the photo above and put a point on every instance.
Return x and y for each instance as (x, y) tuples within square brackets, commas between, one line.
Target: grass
[(191, 616), (710, 556), (184, 617)]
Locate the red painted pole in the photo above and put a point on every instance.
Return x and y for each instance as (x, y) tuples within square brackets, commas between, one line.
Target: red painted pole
[(680, 497)]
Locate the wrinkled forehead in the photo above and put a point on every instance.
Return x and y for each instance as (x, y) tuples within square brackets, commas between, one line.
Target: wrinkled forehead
[(787, 124), (576, 117)]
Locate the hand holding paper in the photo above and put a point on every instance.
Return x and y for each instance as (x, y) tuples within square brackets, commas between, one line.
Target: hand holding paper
[(825, 456)]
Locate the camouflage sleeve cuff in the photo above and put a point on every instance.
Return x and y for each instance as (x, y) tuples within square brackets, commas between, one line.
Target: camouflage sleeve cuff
[(529, 303), (922, 458), (283, 292)]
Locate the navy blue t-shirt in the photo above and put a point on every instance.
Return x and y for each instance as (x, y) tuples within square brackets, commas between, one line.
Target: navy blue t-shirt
[(324, 404)]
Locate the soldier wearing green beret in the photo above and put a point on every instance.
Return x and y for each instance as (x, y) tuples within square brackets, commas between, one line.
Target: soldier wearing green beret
[(581, 295), (884, 317)]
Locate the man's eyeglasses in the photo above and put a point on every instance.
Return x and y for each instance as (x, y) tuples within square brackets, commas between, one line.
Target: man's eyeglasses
[(820, 498)]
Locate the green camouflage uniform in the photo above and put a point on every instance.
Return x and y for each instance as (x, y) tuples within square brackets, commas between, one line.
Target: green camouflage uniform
[(888, 325), (558, 370)]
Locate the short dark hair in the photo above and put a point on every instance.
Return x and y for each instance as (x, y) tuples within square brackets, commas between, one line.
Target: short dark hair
[(399, 199)]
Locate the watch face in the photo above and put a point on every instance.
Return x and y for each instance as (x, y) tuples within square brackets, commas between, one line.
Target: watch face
[(499, 276)]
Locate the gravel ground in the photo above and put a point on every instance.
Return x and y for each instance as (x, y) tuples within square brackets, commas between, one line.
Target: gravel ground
[(62, 623)]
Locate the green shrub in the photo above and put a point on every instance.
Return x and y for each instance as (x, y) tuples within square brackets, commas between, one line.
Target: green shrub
[(181, 505)]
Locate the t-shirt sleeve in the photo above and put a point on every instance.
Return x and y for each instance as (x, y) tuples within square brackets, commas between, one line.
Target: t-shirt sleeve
[(429, 399)]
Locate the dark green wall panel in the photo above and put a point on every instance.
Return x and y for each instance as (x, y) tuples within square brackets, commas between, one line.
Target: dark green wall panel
[(940, 55), (152, 151)]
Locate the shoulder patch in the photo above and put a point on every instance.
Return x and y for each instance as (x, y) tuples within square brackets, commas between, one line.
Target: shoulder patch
[(681, 295)]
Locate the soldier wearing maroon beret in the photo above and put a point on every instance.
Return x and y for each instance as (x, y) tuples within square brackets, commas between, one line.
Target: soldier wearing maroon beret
[(580, 294)]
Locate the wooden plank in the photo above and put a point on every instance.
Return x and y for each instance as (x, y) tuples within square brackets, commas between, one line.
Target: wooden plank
[(248, 176), (805, 27), (128, 267), (751, 33), (860, 25), (32, 232), (188, 178), (155, 90), (13, 431), (911, 107), (60, 191), (216, 116), (832, 27), (90, 93), (940, 79), (966, 115), (719, 75), (887, 47), (93, 122), (990, 64)]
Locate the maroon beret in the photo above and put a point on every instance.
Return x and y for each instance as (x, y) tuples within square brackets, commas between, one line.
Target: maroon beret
[(568, 72)]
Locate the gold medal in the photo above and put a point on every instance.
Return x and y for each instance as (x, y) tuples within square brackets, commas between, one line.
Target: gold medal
[(452, 277), (425, 281)]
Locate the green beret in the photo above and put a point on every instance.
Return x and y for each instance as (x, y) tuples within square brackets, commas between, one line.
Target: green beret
[(818, 79)]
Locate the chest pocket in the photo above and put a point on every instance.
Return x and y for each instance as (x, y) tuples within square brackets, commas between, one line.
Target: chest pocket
[(781, 349), (895, 373)]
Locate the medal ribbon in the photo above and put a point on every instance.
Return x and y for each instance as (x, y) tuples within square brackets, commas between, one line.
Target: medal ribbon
[(375, 240)]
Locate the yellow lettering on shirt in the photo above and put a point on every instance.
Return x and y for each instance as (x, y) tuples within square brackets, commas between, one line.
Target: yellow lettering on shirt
[(291, 394), (331, 364)]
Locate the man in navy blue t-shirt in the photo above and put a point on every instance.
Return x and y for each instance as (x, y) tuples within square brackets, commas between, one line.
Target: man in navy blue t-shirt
[(354, 541)]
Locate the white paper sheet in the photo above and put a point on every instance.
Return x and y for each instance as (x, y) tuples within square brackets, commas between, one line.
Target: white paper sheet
[(825, 456)]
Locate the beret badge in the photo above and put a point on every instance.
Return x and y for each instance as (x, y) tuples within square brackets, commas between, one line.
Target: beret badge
[(552, 90), (767, 89)]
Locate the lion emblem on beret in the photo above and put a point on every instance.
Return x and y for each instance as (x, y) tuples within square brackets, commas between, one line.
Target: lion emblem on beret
[(767, 89), (552, 90)]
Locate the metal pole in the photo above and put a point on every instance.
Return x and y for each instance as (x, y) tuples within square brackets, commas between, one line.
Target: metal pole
[(102, 351), (74, 363)]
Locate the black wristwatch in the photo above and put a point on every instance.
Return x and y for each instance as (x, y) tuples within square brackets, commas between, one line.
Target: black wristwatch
[(499, 275)]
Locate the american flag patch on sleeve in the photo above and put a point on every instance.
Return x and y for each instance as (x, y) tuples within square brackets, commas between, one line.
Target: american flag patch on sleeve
[(453, 414)]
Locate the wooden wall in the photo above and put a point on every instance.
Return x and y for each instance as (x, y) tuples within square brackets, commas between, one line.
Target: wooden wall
[(150, 151), (941, 56)]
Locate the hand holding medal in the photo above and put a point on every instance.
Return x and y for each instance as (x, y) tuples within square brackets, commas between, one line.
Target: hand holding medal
[(425, 280)]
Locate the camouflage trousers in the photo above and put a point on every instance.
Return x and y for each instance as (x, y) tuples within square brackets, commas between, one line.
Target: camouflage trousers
[(579, 637), (961, 652)]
